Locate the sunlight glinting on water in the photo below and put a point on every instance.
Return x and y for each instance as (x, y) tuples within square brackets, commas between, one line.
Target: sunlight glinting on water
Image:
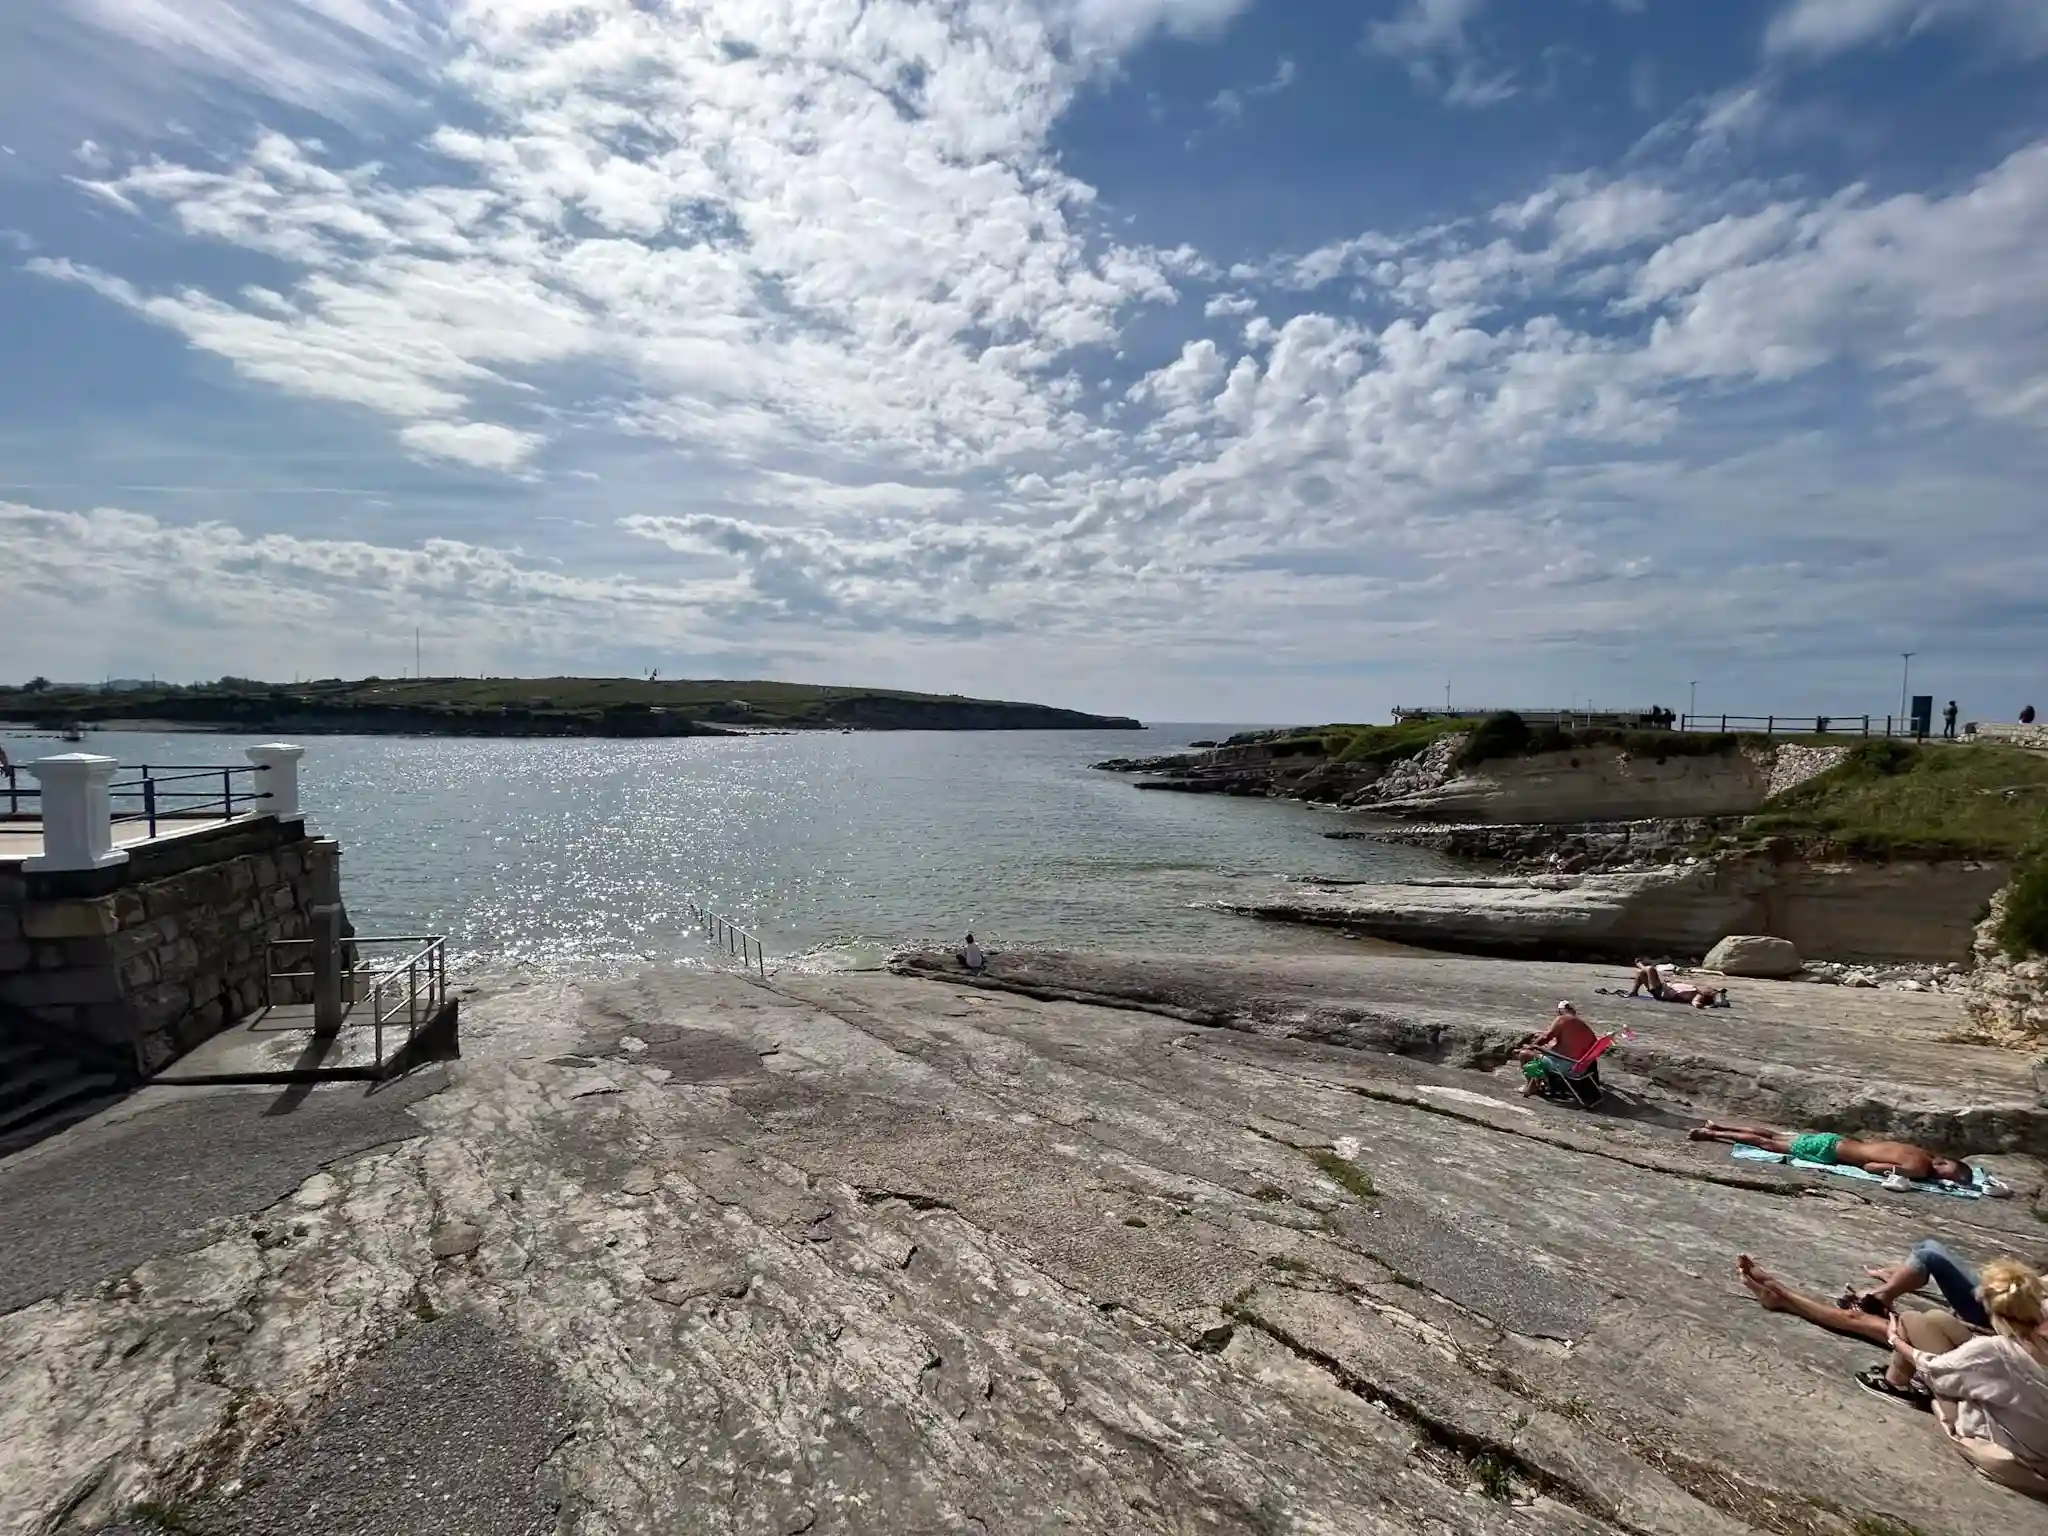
[(568, 856)]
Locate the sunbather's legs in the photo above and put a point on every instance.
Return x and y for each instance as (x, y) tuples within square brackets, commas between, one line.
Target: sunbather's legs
[(1743, 1136), (1953, 1278), (1773, 1295)]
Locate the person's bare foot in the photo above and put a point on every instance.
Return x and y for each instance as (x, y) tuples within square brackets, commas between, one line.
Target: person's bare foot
[(1769, 1294)]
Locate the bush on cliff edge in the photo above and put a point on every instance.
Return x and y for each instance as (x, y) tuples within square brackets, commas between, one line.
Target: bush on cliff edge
[(2025, 929)]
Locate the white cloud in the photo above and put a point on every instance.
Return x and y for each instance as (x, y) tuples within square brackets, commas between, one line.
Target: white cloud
[(858, 355), (1433, 38), (337, 57), (481, 443), (1824, 28)]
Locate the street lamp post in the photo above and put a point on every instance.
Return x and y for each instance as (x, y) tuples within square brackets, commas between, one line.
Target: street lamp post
[(1692, 704), (1905, 676)]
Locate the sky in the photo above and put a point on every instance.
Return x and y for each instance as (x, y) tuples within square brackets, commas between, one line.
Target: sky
[(1198, 359)]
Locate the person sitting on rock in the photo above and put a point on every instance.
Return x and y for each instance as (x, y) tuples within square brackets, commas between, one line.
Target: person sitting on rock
[(1881, 1157), (1649, 978), (1988, 1384), (1565, 1043), (971, 955), (1929, 1260)]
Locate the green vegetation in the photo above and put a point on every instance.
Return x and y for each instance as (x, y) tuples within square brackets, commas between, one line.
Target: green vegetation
[(546, 706), (1492, 1476), (164, 1516), (1509, 735), (1384, 744), (1885, 1525), (2024, 930), (1346, 1174), (1892, 798)]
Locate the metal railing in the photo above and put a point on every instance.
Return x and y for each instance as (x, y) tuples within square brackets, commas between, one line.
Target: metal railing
[(1800, 725), (153, 795), (414, 985), (216, 797), (732, 938)]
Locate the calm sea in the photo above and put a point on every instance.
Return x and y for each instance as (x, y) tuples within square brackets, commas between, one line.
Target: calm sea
[(581, 855)]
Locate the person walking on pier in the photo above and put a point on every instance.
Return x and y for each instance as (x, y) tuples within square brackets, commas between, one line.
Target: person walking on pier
[(1948, 722)]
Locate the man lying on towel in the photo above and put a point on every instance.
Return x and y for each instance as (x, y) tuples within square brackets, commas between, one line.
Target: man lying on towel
[(1650, 979), (1882, 1157)]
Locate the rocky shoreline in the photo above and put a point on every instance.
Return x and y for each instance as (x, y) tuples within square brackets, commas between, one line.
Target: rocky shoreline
[(1552, 880)]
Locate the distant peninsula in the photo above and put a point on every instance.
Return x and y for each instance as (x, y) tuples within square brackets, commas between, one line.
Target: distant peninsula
[(530, 706)]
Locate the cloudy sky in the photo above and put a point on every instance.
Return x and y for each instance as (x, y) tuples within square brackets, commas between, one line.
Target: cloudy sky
[(1205, 359)]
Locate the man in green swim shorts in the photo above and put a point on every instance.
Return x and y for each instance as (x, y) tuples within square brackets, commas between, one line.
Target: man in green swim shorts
[(1880, 1157)]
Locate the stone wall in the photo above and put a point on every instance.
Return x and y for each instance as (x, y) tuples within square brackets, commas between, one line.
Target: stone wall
[(174, 952)]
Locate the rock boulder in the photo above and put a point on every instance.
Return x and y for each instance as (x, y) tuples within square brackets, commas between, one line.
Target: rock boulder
[(1754, 954)]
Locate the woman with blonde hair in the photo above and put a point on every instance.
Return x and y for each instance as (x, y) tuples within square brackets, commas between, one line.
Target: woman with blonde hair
[(1990, 1390)]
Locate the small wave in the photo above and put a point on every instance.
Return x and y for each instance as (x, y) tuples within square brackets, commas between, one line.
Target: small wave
[(862, 954)]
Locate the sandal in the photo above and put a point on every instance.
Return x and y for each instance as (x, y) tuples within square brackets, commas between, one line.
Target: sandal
[(1874, 1381), (1853, 1300)]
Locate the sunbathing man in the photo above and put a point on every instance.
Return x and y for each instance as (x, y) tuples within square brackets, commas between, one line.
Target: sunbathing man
[(1881, 1157), (1692, 993), (1566, 1042)]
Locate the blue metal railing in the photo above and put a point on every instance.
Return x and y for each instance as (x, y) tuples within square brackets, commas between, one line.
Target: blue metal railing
[(157, 799), (154, 794)]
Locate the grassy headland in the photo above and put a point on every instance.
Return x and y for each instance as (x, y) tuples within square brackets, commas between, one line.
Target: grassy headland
[(544, 706), (1890, 798)]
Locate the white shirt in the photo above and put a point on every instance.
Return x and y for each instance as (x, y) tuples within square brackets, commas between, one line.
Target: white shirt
[(2001, 1394)]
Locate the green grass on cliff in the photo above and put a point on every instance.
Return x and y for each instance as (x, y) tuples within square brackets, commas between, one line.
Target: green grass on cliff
[(1890, 798), (2025, 929)]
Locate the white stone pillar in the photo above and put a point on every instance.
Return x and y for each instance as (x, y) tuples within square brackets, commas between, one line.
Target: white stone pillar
[(278, 776), (78, 827)]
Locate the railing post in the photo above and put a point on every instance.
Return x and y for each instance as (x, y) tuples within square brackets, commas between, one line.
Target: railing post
[(1724, 725), (277, 775), (325, 912), (78, 822), (149, 799), (1866, 725)]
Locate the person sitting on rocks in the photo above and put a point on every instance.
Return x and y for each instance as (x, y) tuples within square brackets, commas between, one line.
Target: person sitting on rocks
[(1987, 1385), (1929, 1260), (1649, 978), (971, 955), (1880, 1157), (1564, 1044)]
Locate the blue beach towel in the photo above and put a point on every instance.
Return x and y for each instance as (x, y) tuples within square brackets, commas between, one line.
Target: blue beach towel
[(1975, 1191)]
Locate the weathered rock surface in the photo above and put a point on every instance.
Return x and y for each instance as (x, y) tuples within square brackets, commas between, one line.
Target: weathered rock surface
[(1872, 912), (1550, 847), (1596, 783), (931, 1259), (1755, 954), (1787, 1054), (2007, 998), (1293, 769)]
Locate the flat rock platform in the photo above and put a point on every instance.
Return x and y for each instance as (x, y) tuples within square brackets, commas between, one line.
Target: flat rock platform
[(888, 1253)]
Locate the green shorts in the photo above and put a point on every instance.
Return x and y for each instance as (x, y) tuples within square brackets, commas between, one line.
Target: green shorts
[(1816, 1146)]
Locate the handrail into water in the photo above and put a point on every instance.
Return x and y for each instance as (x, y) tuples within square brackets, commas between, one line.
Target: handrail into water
[(732, 938), (419, 996)]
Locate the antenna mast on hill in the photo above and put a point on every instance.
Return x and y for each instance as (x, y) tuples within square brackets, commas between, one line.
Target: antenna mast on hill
[(416, 653)]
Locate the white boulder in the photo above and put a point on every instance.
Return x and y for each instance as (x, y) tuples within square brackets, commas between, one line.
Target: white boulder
[(1754, 954)]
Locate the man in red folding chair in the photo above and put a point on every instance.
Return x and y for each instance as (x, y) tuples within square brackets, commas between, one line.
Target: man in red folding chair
[(1564, 1057)]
